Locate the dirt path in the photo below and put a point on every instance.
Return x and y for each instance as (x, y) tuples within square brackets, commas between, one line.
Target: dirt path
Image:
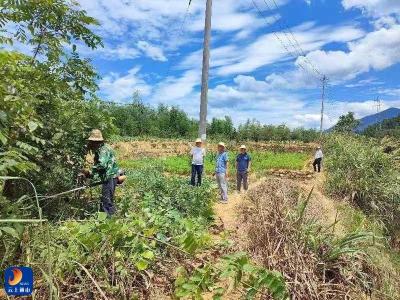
[(320, 206), (227, 213)]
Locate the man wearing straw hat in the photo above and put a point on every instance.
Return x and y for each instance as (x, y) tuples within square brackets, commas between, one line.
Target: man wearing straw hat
[(197, 153), (105, 170), (243, 163), (222, 171)]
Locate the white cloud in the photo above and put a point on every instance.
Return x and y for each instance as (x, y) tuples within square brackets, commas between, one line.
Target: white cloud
[(267, 48), (390, 92), (176, 90), (159, 22), (151, 51), (375, 8), (377, 50), (249, 98), (120, 88), (364, 82), (119, 52)]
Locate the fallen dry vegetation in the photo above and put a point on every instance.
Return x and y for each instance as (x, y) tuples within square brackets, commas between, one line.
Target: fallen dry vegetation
[(316, 264), (164, 148)]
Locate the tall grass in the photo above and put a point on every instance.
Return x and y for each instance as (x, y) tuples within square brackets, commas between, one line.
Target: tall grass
[(284, 237), (359, 170)]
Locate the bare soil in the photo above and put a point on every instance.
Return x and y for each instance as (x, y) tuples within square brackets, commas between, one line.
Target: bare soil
[(320, 207), (163, 148)]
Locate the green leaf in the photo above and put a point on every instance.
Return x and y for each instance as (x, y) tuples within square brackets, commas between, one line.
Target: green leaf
[(101, 216), (32, 126), (3, 138), (141, 265), (248, 268), (148, 254), (10, 231)]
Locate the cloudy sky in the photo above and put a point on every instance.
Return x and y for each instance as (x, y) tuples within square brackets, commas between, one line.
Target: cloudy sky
[(267, 56)]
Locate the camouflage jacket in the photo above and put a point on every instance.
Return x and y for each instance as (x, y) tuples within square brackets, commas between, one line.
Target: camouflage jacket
[(105, 166)]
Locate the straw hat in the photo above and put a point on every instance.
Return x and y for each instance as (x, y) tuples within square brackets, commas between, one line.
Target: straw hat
[(221, 144), (243, 147), (96, 136), (198, 141)]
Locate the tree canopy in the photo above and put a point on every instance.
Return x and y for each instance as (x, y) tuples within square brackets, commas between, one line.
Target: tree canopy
[(347, 123)]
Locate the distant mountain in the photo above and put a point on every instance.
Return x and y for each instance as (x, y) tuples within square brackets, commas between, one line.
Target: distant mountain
[(377, 118)]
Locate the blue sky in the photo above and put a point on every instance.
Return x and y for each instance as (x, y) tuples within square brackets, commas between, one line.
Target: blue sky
[(150, 46)]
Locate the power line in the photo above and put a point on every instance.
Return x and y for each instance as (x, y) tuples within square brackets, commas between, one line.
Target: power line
[(292, 39), (180, 33), (281, 29), (276, 35), (261, 13), (287, 31), (293, 42)]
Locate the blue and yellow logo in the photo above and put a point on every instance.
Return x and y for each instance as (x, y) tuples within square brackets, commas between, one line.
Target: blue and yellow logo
[(18, 281)]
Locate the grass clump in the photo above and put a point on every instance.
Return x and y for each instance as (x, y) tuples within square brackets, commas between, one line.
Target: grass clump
[(315, 262), (359, 170)]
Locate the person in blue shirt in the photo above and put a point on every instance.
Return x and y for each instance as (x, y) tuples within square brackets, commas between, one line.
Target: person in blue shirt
[(243, 164), (222, 171)]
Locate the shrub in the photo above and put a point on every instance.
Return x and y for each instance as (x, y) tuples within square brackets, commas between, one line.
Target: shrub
[(156, 217), (358, 169)]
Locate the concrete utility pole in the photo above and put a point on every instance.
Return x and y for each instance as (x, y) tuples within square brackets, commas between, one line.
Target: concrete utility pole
[(204, 74), (324, 80)]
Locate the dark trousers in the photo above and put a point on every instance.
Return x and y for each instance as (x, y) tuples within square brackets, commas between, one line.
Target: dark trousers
[(196, 170), (107, 196), (317, 163), (241, 176)]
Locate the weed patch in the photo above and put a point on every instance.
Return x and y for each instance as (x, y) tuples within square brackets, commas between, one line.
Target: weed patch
[(360, 171), (315, 262)]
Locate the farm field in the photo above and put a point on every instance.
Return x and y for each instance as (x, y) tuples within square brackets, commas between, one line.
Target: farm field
[(261, 162)]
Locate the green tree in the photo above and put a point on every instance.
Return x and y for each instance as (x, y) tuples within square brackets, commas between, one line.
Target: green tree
[(47, 100), (346, 123), (47, 26), (222, 128)]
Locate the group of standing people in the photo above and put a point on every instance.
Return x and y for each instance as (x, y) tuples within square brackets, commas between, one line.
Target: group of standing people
[(105, 169), (221, 172)]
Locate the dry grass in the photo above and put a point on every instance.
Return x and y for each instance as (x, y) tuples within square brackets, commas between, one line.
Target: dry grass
[(164, 148), (276, 238)]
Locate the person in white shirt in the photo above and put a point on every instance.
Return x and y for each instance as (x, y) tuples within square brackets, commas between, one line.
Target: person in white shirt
[(318, 159), (198, 153)]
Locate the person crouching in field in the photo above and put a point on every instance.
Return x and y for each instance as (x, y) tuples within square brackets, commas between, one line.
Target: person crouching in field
[(221, 172), (243, 163), (104, 170), (318, 159), (198, 153)]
